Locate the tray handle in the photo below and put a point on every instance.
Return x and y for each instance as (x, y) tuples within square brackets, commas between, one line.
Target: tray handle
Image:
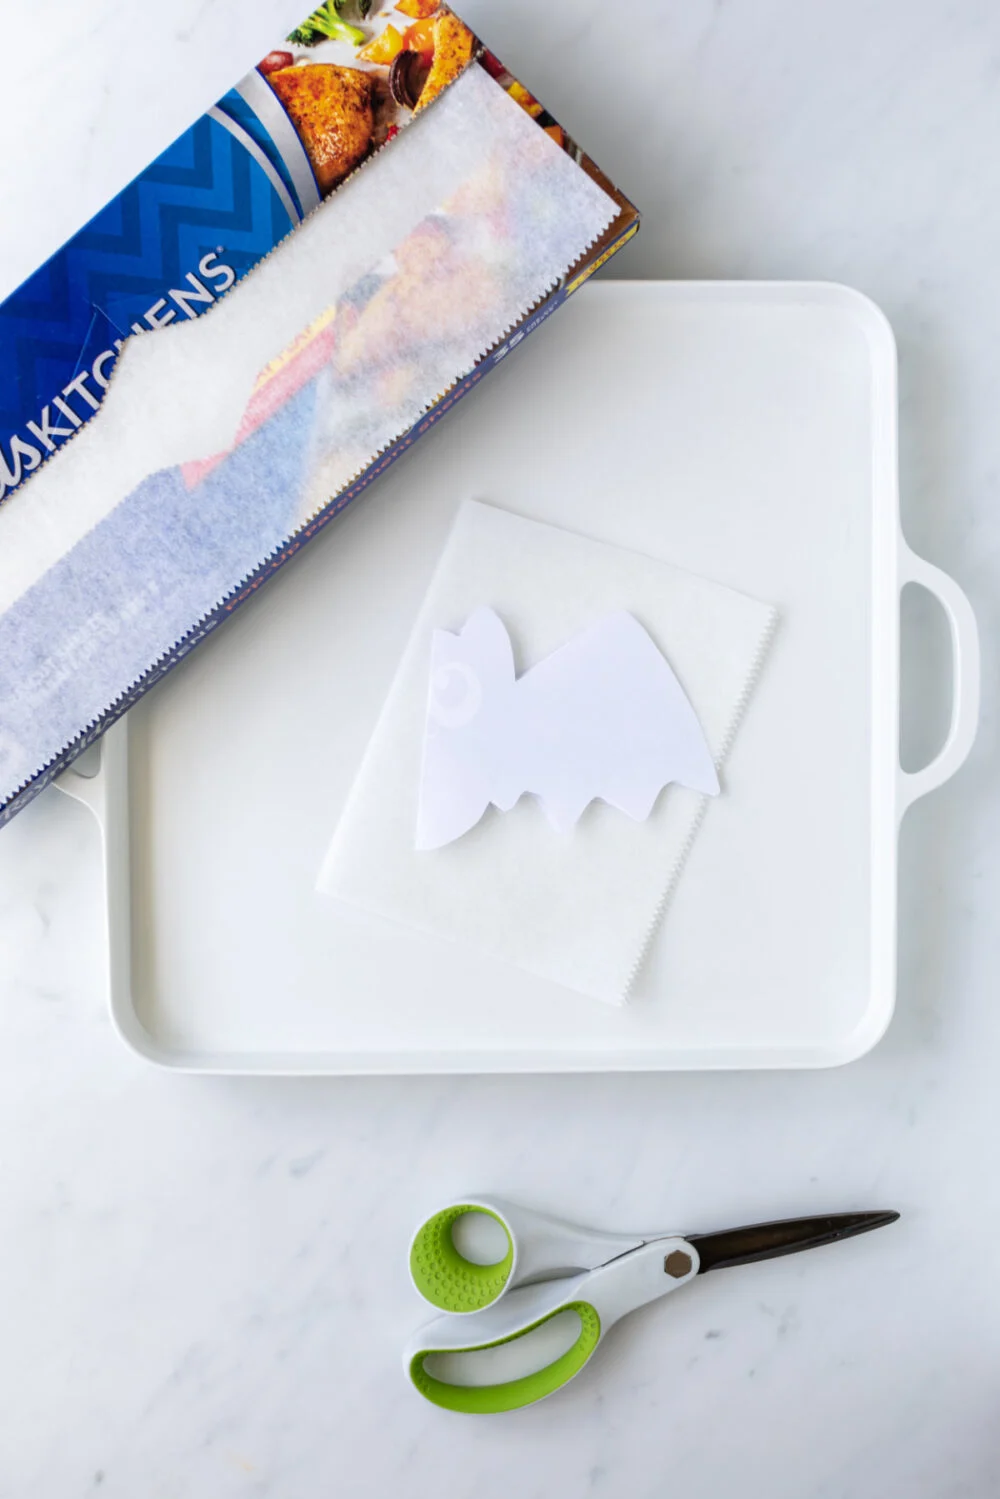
[(92, 790), (965, 670)]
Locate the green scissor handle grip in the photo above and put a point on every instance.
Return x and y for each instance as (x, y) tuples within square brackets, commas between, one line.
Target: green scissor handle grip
[(599, 1298), (536, 1245), (513, 1393), (443, 1275)]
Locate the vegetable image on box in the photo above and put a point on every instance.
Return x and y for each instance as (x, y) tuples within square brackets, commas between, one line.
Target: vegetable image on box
[(602, 717), (325, 25)]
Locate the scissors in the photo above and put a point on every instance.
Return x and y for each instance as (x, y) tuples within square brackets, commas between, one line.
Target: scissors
[(520, 1327)]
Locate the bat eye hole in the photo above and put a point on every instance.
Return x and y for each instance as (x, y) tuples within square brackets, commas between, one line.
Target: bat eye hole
[(456, 695)]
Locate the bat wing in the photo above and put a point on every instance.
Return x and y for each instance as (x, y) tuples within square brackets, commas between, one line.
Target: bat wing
[(664, 743), (609, 720)]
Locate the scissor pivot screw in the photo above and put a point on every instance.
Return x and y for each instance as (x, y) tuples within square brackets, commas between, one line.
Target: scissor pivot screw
[(677, 1264)]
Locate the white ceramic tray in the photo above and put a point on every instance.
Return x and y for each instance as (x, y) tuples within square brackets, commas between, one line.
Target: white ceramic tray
[(745, 431)]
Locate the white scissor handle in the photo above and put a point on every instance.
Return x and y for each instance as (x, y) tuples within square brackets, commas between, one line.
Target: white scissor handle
[(535, 1245), (519, 1324)]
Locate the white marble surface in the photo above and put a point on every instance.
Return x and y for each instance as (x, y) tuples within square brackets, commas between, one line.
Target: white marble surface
[(202, 1291)]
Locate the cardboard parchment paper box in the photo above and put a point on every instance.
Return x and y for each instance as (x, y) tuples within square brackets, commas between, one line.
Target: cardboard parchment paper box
[(173, 428)]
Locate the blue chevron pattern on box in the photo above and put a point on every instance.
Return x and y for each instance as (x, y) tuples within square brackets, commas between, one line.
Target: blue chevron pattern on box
[(178, 236)]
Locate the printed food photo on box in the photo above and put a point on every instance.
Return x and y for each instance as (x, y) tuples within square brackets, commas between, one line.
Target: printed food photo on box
[(347, 88)]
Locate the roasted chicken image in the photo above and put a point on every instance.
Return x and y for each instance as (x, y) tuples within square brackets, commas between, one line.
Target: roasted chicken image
[(332, 111)]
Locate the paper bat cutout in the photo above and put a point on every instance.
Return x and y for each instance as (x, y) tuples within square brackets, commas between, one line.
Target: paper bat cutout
[(603, 717)]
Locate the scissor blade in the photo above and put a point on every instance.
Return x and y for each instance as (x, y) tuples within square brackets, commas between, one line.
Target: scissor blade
[(766, 1241)]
